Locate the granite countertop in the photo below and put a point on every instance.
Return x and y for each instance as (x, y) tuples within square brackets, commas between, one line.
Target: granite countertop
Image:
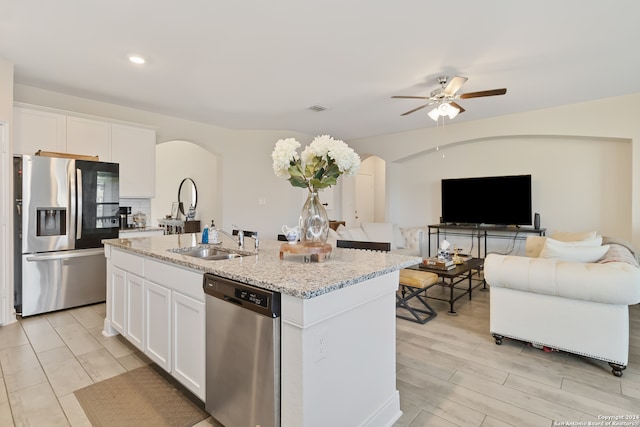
[(266, 270)]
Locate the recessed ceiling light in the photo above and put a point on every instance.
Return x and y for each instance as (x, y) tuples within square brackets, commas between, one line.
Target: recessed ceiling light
[(136, 59), (317, 108)]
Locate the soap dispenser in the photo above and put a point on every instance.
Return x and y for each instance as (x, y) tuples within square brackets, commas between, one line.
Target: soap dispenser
[(205, 234), (214, 233)]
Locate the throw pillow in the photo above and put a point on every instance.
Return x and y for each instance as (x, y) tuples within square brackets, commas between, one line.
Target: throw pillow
[(570, 236), (572, 253), (398, 238), (597, 241), (344, 233), (379, 232), (358, 234), (618, 253)]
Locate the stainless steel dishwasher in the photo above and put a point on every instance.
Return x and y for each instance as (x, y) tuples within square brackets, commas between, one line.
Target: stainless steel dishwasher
[(243, 353)]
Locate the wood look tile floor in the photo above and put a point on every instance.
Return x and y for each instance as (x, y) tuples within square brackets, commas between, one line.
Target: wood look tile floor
[(45, 358), (449, 372)]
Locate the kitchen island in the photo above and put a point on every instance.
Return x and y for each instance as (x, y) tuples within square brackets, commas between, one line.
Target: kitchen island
[(337, 321)]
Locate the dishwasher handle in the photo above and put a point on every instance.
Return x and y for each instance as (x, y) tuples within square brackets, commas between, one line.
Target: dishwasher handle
[(235, 301)]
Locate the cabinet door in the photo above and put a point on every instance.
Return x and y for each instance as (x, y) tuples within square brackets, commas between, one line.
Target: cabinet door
[(89, 137), (135, 150), (118, 293), (157, 312), (189, 343), (35, 130), (135, 310)]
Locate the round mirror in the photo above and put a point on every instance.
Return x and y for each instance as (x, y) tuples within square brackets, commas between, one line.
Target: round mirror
[(187, 195)]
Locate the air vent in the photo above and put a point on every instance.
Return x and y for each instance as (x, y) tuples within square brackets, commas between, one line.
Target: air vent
[(317, 108)]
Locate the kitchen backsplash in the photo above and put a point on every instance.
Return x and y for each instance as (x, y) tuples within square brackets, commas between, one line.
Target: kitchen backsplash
[(138, 205)]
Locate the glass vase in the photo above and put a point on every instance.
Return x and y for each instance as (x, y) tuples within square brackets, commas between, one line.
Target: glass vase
[(314, 222)]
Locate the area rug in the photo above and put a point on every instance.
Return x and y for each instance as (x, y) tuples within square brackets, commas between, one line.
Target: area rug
[(141, 397)]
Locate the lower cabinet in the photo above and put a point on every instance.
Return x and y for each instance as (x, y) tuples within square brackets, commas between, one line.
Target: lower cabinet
[(157, 304), (134, 329), (188, 342), (118, 296), (161, 311)]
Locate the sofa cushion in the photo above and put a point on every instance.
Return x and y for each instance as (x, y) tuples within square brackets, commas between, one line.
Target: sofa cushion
[(379, 232), (575, 251), (611, 283), (398, 238), (618, 253)]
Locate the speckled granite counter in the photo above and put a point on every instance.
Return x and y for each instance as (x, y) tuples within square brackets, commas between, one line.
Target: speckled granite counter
[(265, 269)]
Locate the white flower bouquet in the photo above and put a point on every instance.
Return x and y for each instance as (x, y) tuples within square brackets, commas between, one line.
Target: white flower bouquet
[(319, 165)]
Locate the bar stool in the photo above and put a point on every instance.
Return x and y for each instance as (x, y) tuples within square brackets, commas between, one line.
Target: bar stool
[(412, 284)]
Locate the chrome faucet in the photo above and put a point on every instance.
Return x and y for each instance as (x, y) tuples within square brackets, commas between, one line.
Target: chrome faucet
[(241, 236)]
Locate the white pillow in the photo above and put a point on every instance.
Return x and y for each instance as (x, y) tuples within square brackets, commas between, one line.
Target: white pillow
[(343, 232), (596, 241), (569, 236), (573, 253), (398, 238), (379, 232), (357, 234)]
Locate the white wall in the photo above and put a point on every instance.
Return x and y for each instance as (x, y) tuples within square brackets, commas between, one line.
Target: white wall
[(182, 159), (584, 159), (6, 193)]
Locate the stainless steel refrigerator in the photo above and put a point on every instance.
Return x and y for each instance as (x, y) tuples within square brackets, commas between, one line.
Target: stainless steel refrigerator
[(64, 208)]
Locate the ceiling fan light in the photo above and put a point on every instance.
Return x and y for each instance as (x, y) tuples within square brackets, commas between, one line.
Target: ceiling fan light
[(452, 111), (434, 114)]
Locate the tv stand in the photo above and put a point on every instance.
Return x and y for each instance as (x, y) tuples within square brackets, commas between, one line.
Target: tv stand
[(481, 232)]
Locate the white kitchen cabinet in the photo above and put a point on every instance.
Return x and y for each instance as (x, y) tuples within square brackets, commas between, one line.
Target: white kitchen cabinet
[(134, 148), (118, 295), (157, 307), (89, 137), (35, 130), (160, 308), (188, 342), (134, 329)]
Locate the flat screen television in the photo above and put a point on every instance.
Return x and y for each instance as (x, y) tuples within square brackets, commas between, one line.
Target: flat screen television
[(492, 200)]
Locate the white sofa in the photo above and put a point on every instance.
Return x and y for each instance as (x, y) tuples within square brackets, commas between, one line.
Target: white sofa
[(575, 306), (404, 240)]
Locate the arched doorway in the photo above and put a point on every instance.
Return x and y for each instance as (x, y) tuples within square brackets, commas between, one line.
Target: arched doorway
[(176, 160)]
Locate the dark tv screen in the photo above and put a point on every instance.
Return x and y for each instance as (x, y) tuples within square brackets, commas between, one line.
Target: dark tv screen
[(494, 200)]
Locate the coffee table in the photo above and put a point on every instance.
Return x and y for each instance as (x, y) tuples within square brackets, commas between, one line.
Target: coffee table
[(453, 277)]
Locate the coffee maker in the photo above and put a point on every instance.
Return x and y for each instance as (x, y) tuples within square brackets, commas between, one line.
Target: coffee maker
[(124, 213)]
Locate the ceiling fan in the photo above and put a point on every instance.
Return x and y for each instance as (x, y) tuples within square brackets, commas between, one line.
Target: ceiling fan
[(445, 96)]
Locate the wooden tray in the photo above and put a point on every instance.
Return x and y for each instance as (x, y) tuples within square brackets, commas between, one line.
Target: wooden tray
[(313, 252)]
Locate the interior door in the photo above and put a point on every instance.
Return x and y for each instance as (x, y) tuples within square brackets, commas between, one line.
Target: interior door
[(364, 199)]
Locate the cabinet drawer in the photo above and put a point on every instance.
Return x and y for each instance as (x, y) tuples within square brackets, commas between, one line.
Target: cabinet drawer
[(186, 282), (127, 262)]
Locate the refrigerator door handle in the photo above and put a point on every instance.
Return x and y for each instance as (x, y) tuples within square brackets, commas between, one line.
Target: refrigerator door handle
[(79, 202), (71, 224), (65, 255)]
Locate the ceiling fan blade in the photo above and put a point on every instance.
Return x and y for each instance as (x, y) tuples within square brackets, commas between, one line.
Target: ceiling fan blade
[(455, 104), (416, 109), (454, 85), (411, 97), (483, 93)]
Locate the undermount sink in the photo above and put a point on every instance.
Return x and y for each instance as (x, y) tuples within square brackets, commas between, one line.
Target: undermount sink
[(212, 254)]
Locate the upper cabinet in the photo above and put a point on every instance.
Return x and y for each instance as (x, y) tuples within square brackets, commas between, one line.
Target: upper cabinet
[(35, 130), (89, 137), (133, 147)]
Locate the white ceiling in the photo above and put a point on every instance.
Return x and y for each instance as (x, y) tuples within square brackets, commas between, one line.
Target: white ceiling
[(258, 64)]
